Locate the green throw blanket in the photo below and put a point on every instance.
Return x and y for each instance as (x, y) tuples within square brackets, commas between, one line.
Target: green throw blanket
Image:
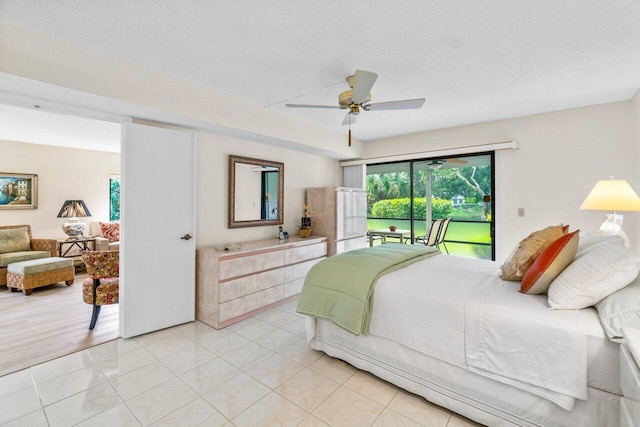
[(340, 288)]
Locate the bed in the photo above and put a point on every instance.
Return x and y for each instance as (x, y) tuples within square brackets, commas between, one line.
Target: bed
[(471, 342)]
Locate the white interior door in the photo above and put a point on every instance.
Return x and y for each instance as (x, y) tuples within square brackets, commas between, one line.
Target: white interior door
[(157, 272)]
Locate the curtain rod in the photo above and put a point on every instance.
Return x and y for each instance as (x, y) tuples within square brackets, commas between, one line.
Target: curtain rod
[(465, 149)]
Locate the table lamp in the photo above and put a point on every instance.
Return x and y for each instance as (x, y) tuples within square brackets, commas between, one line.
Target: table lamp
[(612, 195), (73, 209)]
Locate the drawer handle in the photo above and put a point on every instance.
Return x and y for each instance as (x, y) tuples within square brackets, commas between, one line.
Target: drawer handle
[(186, 237)]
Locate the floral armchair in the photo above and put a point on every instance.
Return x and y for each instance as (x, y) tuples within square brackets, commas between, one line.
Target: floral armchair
[(103, 285), (16, 244)]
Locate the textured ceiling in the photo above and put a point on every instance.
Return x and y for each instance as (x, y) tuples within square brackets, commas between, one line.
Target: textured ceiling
[(472, 61)]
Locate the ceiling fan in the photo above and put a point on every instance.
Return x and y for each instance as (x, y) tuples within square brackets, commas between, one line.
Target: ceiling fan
[(436, 164), (358, 98)]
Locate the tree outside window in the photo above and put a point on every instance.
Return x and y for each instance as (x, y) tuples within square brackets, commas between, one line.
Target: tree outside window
[(114, 198)]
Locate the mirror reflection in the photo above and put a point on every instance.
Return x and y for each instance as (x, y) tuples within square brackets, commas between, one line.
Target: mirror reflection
[(255, 192)]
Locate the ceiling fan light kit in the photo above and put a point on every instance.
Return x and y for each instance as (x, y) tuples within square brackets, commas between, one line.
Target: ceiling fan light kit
[(359, 97), (436, 164)]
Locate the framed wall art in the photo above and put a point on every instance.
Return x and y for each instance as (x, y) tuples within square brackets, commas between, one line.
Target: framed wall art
[(18, 191)]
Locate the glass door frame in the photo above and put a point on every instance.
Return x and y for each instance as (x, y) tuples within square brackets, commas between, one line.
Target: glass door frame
[(428, 184)]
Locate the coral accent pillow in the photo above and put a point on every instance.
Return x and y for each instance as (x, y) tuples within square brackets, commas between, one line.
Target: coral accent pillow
[(521, 258), (555, 258), (111, 231)]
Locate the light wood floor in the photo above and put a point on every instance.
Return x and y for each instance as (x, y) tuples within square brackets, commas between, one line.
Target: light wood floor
[(51, 322)]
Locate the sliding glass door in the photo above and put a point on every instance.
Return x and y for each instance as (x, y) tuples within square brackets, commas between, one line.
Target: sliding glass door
[(412, 194)]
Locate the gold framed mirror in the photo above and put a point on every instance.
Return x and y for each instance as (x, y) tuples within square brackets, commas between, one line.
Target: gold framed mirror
[(256, 192)]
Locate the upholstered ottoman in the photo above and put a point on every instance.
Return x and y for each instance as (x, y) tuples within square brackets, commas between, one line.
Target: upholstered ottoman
[(26, 275)]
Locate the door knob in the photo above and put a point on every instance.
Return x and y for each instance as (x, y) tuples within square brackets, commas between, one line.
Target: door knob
[(186, 237)]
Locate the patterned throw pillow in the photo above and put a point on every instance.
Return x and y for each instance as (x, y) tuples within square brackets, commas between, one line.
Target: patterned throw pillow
[(111, 231), (521, 258)]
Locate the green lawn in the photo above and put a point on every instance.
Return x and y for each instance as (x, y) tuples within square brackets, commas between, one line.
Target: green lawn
[(461, 231)]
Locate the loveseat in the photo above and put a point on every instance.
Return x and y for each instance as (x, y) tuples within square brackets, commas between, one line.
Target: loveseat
[(107, 235), (16, 244)]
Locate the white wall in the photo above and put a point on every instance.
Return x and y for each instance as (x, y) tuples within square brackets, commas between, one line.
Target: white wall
[(63, 173), (562, 155), (300, 171), (68, 173), (635, 123)]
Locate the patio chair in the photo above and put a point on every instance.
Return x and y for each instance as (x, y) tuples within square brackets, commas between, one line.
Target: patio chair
[(103, 285), (441, 233), (432, 237), (436, 234)]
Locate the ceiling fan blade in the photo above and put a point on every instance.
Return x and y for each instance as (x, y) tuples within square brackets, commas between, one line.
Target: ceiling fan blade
[(364, 81), (407, 104), (458, 161), (349, 119), (312, 106)]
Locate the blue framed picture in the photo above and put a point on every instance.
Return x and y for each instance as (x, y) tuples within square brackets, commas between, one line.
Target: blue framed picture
[(18, 191)]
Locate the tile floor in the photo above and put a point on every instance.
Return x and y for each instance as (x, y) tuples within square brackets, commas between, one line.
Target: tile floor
[(258, 372)]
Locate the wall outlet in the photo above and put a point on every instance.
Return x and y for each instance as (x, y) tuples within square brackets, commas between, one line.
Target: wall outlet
[(520, 211)]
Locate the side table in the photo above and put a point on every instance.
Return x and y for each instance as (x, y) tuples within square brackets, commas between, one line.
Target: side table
[(81, 243), (72, 248), (630, 378)]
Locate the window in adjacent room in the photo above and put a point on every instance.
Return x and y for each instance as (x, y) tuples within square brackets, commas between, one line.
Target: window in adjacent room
[(114, 198)]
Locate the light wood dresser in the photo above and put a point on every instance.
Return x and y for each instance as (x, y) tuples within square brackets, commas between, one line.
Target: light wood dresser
[(232, 286)]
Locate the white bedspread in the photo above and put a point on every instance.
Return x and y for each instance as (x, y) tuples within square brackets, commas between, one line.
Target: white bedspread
[(458, 310), (516, 339)]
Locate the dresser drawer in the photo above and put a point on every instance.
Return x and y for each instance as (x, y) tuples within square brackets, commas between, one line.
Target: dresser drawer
[(242, 266), (250, 284), (293, 287), (629, 375), (303, 253), (297, 271), (239, 306), (629, 413)]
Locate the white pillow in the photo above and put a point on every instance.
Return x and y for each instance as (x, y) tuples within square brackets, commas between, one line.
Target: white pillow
[(596, 272), (597, 238), (620, 309)]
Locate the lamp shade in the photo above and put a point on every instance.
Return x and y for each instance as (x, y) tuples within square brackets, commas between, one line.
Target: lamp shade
[(74, 209), (612, 195)]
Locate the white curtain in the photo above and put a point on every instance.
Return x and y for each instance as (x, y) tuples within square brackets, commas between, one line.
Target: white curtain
[(354, 176)]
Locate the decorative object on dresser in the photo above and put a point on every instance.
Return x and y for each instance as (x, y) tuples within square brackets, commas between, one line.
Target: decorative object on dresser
[(304, 230), (107, 235), (74, 209), (630, 378), (341, 216), (16, 244), (18, 191), (612, 196), (256, 192), (234, 285), (103, 285)]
